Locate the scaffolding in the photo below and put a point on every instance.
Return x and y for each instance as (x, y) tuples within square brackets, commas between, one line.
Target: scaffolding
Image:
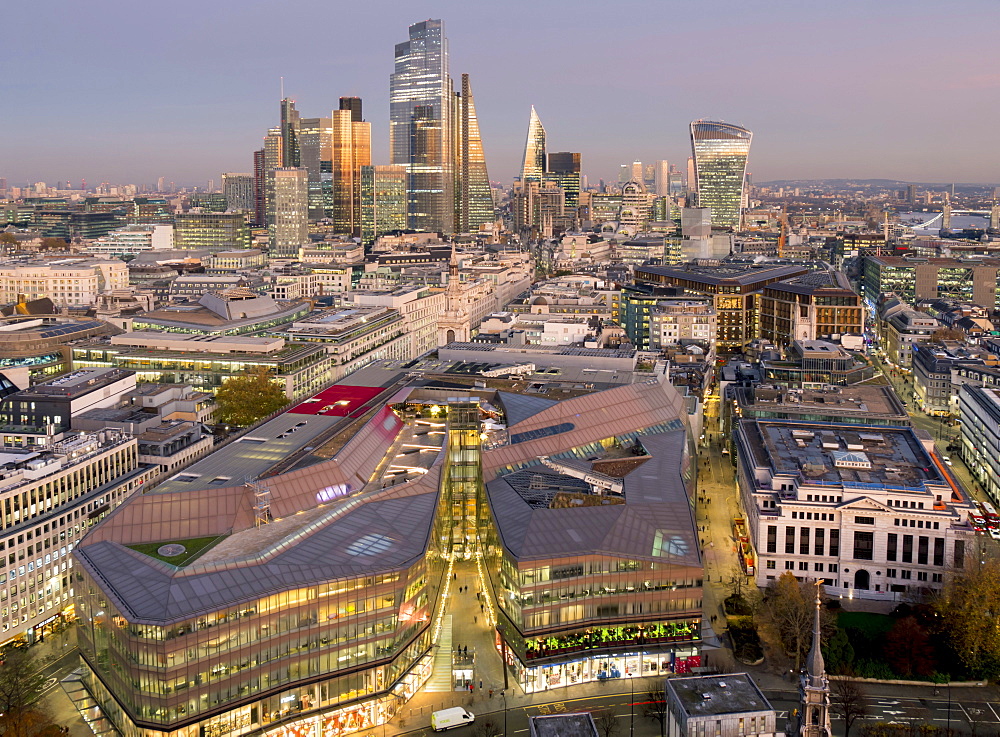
[(261, 500)]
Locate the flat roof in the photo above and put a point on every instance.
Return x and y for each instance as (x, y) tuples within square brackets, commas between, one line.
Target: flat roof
[(580, 724), (704, 696), (892, 456), (723, 272), (859, 399)]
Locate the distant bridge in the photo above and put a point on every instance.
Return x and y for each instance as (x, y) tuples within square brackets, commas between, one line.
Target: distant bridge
[(939, 215)]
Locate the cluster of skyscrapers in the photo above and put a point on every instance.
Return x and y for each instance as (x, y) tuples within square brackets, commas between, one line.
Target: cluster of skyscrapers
[(321, 168)]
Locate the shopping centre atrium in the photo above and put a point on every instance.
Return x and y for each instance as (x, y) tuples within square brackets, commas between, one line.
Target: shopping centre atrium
[(297, 580)]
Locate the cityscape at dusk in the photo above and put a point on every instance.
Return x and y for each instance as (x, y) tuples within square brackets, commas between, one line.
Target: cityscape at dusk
[(554, 369), (895, 90)]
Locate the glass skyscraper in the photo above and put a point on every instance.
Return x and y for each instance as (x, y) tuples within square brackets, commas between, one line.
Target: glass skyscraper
[(420, 126), (473, 198), (720, 164), (533, 164)]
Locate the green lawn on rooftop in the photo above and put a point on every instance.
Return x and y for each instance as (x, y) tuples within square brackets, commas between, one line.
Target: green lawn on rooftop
[(194, 546)]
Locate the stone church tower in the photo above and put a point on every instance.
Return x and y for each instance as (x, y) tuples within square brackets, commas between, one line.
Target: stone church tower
[(455, 323)]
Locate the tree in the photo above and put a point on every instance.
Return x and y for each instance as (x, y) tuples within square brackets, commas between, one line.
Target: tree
[(606, 721), (486, 727), (8, 239), (53, 244), (968, 609), (948, 334), (847, 701), (656, 706), (246, 398), (736, 583), (908, 648), (788, 612), (20, 688), (839, 653)]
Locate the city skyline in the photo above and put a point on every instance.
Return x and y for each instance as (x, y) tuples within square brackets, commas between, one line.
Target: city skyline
[(803, 95)]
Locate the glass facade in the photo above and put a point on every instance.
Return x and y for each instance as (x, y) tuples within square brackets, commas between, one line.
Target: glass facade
[(420, 126), (720, 160), (533, 164), (473, 196)]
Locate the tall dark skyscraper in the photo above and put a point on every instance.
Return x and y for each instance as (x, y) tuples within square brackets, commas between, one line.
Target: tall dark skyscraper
[(564, 170), (420, 126), (259, 189), (289, 133), (354, 105), (473, 197)]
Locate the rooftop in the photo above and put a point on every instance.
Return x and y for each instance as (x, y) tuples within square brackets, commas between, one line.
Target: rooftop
[(703, 696), (78, 383), (562, 725), (887, 456), (743, 274), (845, 400)]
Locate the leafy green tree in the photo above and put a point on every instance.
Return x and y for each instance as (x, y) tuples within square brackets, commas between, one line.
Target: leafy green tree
[(246, 398), (20, 689), (839, 653)]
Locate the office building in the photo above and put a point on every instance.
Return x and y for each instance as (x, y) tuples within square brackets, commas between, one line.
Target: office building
[(861, 404), (720, 163), (289, 228), (724, 706), (934, 363), (211, 231), (819, 305), (979, 409), (661, 178), (564, 171), (259, 189), (351, 146), (915, 279), (133, 239), (383, 201), (316, 155), (238, 190), (870, 513), (533, 163), (68, 282), (735, 289), (473, 196), (420, 126), (290, 121), (35, 347)]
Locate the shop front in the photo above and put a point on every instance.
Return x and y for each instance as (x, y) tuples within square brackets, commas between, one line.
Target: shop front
[(678, 660)]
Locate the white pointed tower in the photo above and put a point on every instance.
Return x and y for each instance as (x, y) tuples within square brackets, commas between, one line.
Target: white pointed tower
[(814, 712)]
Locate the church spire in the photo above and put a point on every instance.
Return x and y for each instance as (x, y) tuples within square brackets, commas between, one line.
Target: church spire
[(816, 666), (814, 712)]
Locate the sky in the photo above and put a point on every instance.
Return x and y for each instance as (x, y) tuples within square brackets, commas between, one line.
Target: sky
[(126, 92)]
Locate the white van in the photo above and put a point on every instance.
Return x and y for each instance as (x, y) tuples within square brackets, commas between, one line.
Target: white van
[(451, 718)]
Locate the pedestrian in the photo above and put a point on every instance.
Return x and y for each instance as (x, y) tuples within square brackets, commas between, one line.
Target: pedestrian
[(491, 693), (454, 577), (481, 608), (472, 688), (466, 651), (480, 684), (475, 620)]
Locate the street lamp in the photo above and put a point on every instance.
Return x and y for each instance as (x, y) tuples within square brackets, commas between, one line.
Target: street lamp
[(631, 705), (503, 694)]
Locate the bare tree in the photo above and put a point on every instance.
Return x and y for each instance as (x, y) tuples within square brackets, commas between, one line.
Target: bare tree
[(20, 688), (486, 727), (656, 706), (606, 721), (848, 702), (788, 611)]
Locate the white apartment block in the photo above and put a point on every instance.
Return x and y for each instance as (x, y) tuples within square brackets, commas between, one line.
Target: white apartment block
[(870, 511), (67, 282)]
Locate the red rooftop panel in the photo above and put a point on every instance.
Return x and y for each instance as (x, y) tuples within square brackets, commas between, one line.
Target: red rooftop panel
[(337, 401)]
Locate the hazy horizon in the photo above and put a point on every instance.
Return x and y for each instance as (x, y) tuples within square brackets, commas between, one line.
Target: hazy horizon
[(124, 93)]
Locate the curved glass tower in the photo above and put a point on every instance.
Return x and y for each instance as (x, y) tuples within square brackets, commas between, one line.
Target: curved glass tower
[(533, 164), (720, 164)]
